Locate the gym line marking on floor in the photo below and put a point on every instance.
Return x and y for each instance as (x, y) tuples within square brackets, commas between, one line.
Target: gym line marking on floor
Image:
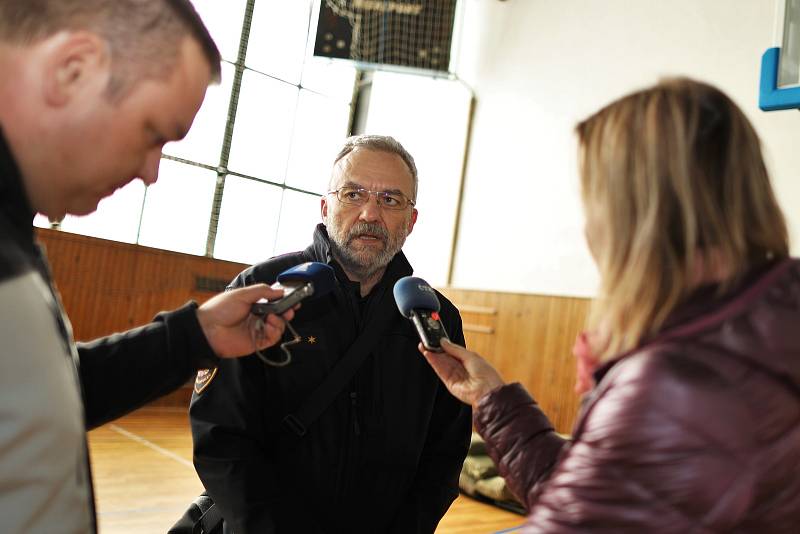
[(151, 445)]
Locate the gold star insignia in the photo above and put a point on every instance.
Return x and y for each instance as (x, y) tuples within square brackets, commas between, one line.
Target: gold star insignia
[(312, 340)]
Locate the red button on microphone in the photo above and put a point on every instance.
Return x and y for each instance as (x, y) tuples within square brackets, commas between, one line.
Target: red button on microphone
[(435, 316)]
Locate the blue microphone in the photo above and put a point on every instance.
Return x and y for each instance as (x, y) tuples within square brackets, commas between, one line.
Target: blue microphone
[(307, 280), (417, 301)]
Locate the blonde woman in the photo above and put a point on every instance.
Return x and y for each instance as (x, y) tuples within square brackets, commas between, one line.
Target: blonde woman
[(691, 363)]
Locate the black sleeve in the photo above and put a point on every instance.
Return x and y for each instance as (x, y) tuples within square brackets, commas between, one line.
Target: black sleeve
[(436, 484), (231, 450), (122, 372), (230, 444)]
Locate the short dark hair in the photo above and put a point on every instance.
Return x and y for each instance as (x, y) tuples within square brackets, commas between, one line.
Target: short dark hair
[(382, 143), (144, 36)]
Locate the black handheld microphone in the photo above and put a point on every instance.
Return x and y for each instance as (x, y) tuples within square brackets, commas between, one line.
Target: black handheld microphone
[(310, 279), (417, 301)]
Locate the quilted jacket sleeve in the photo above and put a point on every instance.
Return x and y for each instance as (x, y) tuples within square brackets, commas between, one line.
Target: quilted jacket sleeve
[(519, 437), (659, 448)]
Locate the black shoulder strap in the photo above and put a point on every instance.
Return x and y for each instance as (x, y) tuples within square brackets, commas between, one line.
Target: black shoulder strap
[(209, 522), (302, 418)]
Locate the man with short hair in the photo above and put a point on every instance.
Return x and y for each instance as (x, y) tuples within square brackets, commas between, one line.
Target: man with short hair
[(91, 90), (385, 454)]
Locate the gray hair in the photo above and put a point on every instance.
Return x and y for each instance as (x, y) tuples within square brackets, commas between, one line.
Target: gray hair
[(382, 143)]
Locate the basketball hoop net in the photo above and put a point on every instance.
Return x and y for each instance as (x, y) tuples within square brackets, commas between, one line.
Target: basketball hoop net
[(411, 33)]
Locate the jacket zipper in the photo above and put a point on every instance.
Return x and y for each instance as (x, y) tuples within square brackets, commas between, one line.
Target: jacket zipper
[(354, 406)]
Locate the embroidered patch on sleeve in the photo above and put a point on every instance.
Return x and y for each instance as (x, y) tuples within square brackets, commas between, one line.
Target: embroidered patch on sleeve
[(204, 378)]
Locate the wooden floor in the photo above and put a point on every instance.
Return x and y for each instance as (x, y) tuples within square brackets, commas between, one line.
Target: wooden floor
[(144, 478)]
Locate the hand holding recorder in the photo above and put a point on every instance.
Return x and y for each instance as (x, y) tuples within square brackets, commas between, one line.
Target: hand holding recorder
[(225, 320), (307, 280), (301, 281)]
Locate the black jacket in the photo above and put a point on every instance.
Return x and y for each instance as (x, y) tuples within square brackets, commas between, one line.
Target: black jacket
[(384, 457), (52, 389)]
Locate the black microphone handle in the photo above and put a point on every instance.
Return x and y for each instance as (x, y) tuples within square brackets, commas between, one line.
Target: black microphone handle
[(293, 293), (430, 328)]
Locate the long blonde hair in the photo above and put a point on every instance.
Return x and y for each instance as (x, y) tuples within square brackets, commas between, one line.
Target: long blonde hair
[(671, 177)]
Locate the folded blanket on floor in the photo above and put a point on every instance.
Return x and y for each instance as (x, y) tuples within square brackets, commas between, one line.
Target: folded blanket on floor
[(479, 467), (494, 488)]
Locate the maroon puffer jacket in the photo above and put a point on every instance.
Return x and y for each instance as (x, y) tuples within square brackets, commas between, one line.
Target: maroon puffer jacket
[(696, 431)]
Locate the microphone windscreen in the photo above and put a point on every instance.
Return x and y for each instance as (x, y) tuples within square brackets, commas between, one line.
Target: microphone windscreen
[(412, 293), (319, 274)]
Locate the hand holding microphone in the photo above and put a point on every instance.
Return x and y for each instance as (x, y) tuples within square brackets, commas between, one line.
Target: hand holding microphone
[(466, 375)]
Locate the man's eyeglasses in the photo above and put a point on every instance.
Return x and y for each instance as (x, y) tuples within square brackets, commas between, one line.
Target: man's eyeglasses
[(358, 196)]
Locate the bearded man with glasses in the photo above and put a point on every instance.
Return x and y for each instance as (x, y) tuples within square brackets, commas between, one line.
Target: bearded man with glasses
[(385, 454)]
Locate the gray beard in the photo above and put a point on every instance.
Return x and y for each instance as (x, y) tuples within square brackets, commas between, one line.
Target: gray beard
[(365, 264)]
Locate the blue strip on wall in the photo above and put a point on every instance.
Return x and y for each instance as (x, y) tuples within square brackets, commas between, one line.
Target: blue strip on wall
[(770, 98)]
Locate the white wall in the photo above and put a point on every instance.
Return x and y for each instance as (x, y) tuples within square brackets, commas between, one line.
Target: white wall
[(429, 117), (539, 66)]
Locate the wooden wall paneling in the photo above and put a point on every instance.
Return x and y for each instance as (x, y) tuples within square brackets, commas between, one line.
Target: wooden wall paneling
[(109, 287), (477, 308), (531, 343)]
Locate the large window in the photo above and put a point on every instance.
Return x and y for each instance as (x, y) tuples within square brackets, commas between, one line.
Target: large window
[(430, 116), (245, 182)]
